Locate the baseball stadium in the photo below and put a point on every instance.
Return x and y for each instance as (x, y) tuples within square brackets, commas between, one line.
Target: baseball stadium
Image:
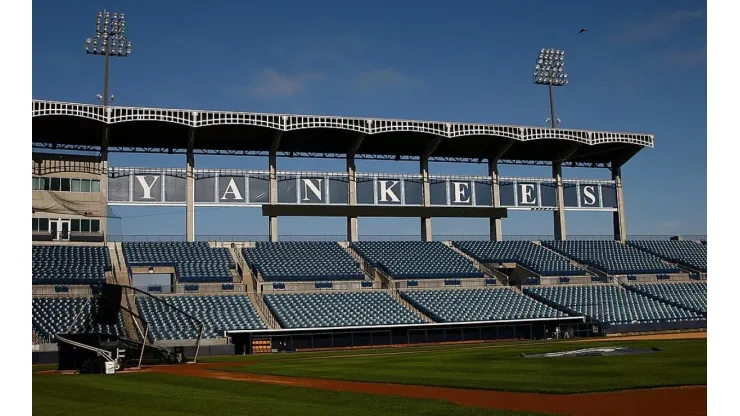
[(278, 323)]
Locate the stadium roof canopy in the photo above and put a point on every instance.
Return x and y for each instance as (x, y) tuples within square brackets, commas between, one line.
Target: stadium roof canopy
[(60, 125)]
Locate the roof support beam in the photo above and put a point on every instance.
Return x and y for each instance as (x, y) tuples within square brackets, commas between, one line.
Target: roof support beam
[(356, 146), (190, 188), (568, 152), (431, 147), (275, 145)]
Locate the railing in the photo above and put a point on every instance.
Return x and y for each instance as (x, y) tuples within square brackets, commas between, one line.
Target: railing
[(441, 237)]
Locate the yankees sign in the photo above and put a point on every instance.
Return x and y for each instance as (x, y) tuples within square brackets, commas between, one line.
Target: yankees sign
[(128, 186)]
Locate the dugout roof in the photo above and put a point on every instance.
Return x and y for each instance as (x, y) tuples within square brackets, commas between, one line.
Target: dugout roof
[(60, 125)]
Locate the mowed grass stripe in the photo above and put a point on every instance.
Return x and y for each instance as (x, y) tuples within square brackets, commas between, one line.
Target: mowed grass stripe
[(164, 394), (680, 362)]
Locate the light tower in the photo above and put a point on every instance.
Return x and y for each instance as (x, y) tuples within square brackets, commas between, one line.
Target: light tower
[(549, 71), (110, 40)]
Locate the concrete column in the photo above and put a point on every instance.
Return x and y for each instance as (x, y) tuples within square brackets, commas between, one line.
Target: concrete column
[(426, 222), (496, 233), (620, 226), (352, 232), (559, 213), (273, 196), (104, 185), (190, 197)]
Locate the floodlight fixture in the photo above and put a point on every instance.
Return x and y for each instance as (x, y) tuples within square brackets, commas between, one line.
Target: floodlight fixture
[(109, 40), (549, 70)]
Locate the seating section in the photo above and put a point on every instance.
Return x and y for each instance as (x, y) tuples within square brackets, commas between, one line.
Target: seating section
[(612, 257), (69, 265), (467, 305), (687, 253), (55, 315), (302, 261), (691, 295), (416, 259), (533, 256), (193, 262), (218, 314), (611, 304), (315, 310)]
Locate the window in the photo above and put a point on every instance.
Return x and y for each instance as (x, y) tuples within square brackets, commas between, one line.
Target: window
[(45, 184), (85, 226), (75, 225), (95, 226), (36, 184), (35, 222), (56, 184), (76, 186), (43, 224), (95, 186), (65, 184), (85, 185)]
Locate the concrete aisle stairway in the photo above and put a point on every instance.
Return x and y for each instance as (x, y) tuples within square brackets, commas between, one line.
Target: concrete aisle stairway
[(397, 296), (123, 278), (487, 271)]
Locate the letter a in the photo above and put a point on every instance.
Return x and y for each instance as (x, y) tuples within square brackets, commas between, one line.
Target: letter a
[(146, 187), (232, 189)]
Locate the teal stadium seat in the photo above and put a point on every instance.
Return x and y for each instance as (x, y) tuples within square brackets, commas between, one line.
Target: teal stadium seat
[(690, 295), (612, 257), (194, 262), (342, 309), (525, 253), (69, 265), (471, 305), (53, 315), (302, 261), (416, 259), (218, 313), (691, 254), (611, 304)]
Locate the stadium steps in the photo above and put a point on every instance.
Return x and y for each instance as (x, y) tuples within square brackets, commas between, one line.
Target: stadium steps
[(370, 272), (395, 294), (123, 278), (488, 272), (263, 311), (246, 273), (586, 269)]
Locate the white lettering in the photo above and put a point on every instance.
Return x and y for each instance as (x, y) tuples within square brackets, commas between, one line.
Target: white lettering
[(588, 195), (233, 190), (387, 191), (308, 184), (460, 188), (146, 187), (525, 196)]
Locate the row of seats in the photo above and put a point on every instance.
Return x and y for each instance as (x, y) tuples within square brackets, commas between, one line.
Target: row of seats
[(69, 265), (467, 305), (343, 309), (687, 253), (57, 315), (612, 257), (416, 259), (691, 295), (302, 261), (217, 313), (611, 304), (194, 262), (525, 253)]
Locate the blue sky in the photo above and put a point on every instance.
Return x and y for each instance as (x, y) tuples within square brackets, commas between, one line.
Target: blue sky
[(641, 67)]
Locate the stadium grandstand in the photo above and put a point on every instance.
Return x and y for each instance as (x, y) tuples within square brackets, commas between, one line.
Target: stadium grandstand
[(237, 296)]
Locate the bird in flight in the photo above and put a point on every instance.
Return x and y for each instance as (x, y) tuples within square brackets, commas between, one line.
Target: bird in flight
[(583, 30)]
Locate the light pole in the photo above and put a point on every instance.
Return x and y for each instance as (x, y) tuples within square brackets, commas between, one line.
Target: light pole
[(110, 40), (549, 71)]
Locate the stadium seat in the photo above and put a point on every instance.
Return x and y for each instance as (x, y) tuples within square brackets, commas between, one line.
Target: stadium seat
[(686, 253), (468, 305), (314, 310), (193, 262), (611, 304), (691, 295), (416, 259), (52, 315), (533, 256), (69, 265), (612, 257), (302, 261), (218, 314)]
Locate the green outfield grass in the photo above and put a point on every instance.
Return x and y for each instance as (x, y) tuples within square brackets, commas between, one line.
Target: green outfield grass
[(163, 394), (680, 362)]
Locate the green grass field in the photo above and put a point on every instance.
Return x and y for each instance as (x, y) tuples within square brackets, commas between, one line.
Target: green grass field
[(498, 367), (680, 362), (163, 394)]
